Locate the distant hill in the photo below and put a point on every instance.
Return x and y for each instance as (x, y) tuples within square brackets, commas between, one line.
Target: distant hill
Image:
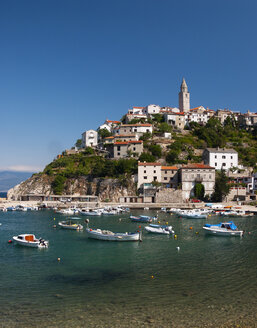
[(9, 179)]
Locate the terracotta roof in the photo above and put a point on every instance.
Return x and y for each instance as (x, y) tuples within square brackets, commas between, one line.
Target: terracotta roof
[(197, 166), (148, 164), (111, 137), (138, 107), (128, 142), (179, 113), (169, 168), (146, 124), (112, 121)]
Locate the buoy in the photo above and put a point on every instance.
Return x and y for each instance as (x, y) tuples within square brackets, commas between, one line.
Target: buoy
[(191, 228), (175, 236), (197, 233), (152, 277), (139, 227), (159, 222), (54, 226), (167, 223), (54, 219), (59, 259), (9, 241), (178, 248)]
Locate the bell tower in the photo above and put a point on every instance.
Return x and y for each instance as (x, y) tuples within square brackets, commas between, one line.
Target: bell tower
[(184, 97)]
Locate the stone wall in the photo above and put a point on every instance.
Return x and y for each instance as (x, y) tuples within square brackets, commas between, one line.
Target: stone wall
[(168, 195)]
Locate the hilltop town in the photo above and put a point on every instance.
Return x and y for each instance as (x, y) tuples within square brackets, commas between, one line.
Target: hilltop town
[(156, 154)]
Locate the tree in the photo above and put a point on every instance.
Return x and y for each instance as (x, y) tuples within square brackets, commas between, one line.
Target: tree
[(172, 157), (146, 157), (165, 127), (199, 191), (104, 133), (221, 188), (78, 143), (156, 150), (58, 184)]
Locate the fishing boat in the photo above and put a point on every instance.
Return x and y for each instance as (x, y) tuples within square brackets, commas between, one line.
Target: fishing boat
[(71, 224), (161, 229), (223, 229), (112, 236), (142, 218), (30, 240), (90, 212)]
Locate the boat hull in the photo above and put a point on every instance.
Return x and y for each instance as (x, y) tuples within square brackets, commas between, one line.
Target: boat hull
[(100, 235), (70, 227), (158, 231), (220, 232)]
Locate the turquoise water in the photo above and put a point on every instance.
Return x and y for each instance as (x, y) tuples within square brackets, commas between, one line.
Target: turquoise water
[(210, 282)]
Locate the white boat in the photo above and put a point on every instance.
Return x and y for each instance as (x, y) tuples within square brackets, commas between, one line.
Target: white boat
[(21, 208), (223, 229), (162, 229), (30, 240), (112, 236), (67, 211), (90, 212), (71, 224)]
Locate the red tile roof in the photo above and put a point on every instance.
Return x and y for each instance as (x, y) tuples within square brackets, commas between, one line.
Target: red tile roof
[(127, 125), (197, 166), (148, 164), (138, 107), (169, 168), (111, 137), (116, 122), (128, 142)]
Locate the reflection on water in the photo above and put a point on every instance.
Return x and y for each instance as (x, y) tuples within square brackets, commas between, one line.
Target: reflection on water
[(210, 282)]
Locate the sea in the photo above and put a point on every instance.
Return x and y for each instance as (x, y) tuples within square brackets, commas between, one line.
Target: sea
[(192, 280)]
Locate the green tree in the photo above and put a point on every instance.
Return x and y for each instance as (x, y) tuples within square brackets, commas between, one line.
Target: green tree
[(156, 150), (104, 133), (78, 143), (165, 127), (172, 157), (221, 188), (58, 184), (199, 191), (146, 157)]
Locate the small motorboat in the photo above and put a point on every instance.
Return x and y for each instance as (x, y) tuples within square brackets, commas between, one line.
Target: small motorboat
[(91, 212), (161, 229), (223, 229), (30, 240), (71, 224), (142, 218), (112, 236)]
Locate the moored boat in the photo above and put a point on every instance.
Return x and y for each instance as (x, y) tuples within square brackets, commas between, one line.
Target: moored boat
[(223, 229), (142, 218), (30, 240), (71, 224), (112, 236), (160, 229)]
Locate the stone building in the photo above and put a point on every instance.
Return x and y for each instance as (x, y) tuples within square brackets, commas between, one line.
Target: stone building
[(192, 174), (138, 129), (123, 149), (184, 97), (169, 176), (176, 120)]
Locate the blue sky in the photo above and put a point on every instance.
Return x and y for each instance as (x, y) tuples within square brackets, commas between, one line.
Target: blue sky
[(66, 66)]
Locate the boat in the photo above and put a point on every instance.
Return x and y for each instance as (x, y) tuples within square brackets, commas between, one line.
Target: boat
[(71, 224), (30, 240), (112, 236), (90, 212), (193, 214), (161, 229), (142, 218), (67, 211), (223, 229)]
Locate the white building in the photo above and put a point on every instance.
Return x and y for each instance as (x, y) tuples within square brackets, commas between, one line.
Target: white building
[(151, 109), (148, 172), (89, 138), (220, 158), (199, 115), (176, 120)]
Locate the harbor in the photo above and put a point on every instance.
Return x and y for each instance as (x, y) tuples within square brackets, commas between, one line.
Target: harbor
[(191, 280)]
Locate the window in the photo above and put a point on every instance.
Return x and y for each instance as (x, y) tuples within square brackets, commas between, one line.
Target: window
[(145, 177), (154, 178), (192, 176), (215, 156), (231, 157), (118, 148), (134, 148), (223, 156), (144, 171), (118, 154), (223, 164), (165, 172), (154, 171), (215, 164), (165, 178), (209, 176)]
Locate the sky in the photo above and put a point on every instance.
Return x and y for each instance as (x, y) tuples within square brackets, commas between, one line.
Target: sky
[(66, 66)]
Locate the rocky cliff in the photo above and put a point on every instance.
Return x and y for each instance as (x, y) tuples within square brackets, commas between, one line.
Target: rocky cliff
[(104, 188)]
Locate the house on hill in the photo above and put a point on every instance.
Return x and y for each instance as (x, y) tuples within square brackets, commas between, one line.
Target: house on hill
[(220, 158)]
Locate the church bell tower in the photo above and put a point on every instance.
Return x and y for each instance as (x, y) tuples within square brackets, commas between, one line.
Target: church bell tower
[(184, 97)]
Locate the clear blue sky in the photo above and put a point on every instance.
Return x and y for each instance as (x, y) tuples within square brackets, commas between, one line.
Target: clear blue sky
[(66, 66)]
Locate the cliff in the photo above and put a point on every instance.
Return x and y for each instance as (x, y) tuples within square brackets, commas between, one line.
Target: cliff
[(105, 188)]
